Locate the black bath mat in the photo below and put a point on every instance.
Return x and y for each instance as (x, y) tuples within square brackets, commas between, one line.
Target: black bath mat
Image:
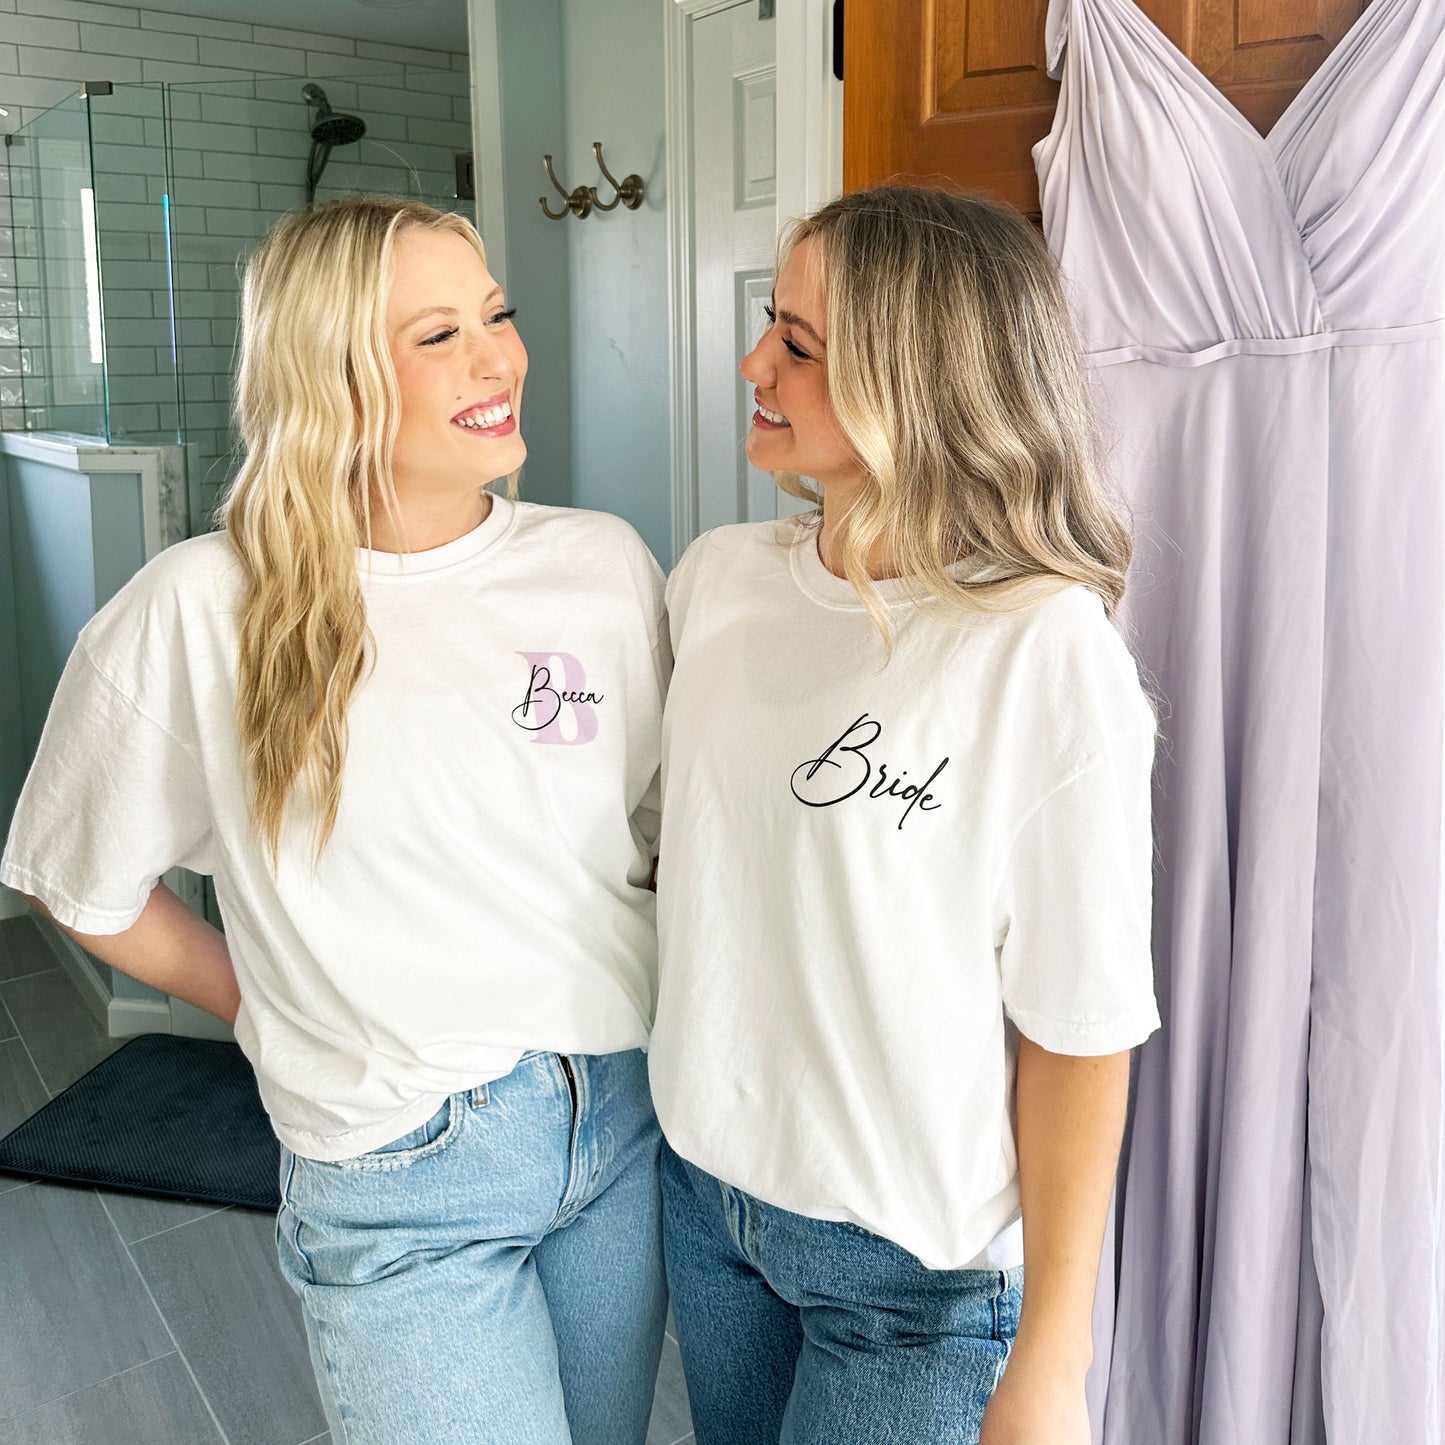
[(172, 1117)]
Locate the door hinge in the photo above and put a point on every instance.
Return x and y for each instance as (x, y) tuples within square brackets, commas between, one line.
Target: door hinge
[(765, 9), (837, 39)]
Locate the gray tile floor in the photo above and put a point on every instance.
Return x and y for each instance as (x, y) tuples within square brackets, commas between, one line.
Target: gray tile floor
[(132, 1321)]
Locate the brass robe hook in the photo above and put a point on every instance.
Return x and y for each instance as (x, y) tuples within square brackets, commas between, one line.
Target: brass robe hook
[(578, 202), (629, 191)]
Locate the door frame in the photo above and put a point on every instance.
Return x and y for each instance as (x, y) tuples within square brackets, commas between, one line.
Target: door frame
[(486, 100), (809, 171)]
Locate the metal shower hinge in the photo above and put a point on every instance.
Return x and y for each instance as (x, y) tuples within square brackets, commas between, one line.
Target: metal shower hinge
[(466, 176)]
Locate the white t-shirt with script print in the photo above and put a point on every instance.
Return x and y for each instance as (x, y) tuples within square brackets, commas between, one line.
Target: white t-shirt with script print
[(485, 891), (876, 873)]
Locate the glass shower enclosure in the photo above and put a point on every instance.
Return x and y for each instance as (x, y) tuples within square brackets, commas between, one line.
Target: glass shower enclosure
[(134, 207), (91, 252)]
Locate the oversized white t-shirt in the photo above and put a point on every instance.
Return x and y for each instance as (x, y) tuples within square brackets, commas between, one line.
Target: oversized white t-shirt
[(875, 873), (485, 890)]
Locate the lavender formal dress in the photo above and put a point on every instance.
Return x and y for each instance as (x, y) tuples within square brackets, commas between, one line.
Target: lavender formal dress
[(1266, 321)]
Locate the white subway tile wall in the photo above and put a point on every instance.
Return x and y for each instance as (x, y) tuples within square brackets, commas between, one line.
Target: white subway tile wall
[(239, 131)]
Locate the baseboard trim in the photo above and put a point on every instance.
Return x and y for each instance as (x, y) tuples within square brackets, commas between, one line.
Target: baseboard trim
[(191, 1022), (127, 1017)]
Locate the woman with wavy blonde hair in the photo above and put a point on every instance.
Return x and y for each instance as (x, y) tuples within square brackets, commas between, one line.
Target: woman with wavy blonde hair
[(904, 904), (411, 727)]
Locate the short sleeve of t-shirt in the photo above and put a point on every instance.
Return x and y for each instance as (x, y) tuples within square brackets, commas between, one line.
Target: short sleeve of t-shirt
[(1074, 909), (112, 801), (681, 582)]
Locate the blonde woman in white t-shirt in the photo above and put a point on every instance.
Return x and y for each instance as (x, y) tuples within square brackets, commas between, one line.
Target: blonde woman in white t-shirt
[(412, 728), (904, 899)]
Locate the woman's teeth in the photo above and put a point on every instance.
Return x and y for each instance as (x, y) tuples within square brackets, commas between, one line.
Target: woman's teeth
[(485, 417), (777, 418)]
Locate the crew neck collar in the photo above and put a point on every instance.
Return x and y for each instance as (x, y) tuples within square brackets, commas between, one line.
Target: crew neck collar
[(828, 590), (823, 587), (466, 548)]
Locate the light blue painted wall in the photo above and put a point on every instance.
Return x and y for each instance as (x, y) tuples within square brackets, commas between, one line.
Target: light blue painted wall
[(529, 39), (612, 66), (53, 553), (12, 736), (73, 541)]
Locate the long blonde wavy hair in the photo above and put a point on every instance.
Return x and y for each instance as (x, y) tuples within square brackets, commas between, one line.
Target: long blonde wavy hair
[(955, 375), (317, 410)]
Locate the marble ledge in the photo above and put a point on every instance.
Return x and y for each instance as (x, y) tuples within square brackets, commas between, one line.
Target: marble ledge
[(162, 470)]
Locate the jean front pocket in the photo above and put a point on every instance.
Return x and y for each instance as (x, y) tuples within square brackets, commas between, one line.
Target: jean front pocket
[(1008, 1298), (423, 1142)]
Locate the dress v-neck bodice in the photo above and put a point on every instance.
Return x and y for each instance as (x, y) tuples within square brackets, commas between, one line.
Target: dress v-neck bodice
[(1265, 323), (1182, 229)]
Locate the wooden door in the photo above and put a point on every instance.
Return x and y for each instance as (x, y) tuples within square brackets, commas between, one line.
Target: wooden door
[(957, 88)]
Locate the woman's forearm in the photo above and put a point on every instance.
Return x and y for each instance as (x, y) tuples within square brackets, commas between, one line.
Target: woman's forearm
[(171, 949), (1070, 1125)]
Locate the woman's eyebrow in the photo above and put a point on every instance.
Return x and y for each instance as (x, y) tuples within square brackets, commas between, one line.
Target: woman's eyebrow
[(793, 319), (452, 310), (429, 311)]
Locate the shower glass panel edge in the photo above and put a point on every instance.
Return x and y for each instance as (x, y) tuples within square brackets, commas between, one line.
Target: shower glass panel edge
[(58, 307)]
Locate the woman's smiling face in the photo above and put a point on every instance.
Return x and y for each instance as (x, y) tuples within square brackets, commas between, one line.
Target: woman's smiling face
[(459, 366), (794, 428)]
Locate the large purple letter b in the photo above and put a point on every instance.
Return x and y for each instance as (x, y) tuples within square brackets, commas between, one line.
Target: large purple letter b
[(540, 711)]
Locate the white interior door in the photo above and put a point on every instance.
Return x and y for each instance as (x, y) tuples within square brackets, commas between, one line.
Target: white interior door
[(734, 160)]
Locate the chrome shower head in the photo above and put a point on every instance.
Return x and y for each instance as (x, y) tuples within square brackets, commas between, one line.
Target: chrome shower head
[(338, 130), (331, 128)]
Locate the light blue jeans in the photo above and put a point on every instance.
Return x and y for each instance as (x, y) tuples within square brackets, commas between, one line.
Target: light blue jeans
[(494, 1277), (808, 1332)]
